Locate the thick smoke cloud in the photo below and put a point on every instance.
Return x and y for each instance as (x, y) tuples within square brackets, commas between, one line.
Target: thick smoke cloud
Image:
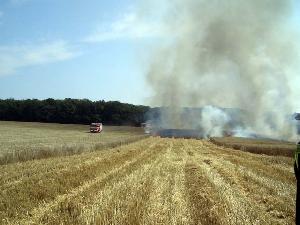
[(228, 53)]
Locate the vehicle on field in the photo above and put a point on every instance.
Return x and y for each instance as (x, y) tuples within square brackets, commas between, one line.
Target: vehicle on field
[(147, 127), (96, 127)]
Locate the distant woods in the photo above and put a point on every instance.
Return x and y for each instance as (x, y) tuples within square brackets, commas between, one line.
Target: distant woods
[(72, 111)]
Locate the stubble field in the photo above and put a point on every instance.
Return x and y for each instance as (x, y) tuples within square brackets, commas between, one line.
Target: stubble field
[(151, 181), (258, 146)]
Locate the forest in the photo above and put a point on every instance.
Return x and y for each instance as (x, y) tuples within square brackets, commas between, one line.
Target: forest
[(75, 111)]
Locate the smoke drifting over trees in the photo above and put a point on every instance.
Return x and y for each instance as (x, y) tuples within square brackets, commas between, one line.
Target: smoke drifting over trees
[(229, 53)]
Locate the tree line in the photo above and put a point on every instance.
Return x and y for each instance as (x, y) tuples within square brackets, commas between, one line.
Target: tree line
[(77, 111)]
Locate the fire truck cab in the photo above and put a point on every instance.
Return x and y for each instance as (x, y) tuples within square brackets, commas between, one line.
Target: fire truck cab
[(96, 127)]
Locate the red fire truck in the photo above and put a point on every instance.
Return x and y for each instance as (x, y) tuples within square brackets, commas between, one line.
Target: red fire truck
[(96, 127)]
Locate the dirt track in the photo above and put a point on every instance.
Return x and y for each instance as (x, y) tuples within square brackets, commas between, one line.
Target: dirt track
[(154, 181)]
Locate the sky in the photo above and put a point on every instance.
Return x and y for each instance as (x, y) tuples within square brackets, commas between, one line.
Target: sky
[(90, 49), (73, 49)]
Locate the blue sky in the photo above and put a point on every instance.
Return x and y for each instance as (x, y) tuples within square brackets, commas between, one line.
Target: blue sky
[(73, 48)]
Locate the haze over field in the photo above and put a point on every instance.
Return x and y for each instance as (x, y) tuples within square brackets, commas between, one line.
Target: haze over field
[(230, 53)]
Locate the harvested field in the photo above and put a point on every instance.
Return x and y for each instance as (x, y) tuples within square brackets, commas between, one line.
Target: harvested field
[(258, 146), (21, 141), (152, 181)]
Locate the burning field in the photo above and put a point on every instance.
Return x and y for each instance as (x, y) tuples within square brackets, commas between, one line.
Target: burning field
[(230, 58), (153, 181), (223, 68)]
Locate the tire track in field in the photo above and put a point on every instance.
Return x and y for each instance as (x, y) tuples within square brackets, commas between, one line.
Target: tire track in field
[(237, 207), (278, 197), (180, 200), (276, 183), (157, 210), (271, 199), (140, 187), (262, 164), (262, 175), (43, 212), (205, 206), (231, 181), (200, 191), (240, 193), (168, 201)]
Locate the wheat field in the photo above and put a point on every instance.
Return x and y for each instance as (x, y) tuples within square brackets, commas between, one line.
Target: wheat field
[(151, 181), (22, 141)]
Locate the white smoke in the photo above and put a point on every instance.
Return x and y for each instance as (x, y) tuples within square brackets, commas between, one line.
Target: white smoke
[(213, 121), (229, 53)]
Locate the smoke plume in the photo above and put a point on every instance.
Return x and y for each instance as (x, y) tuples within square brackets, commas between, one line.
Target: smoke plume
[(229, 53)]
